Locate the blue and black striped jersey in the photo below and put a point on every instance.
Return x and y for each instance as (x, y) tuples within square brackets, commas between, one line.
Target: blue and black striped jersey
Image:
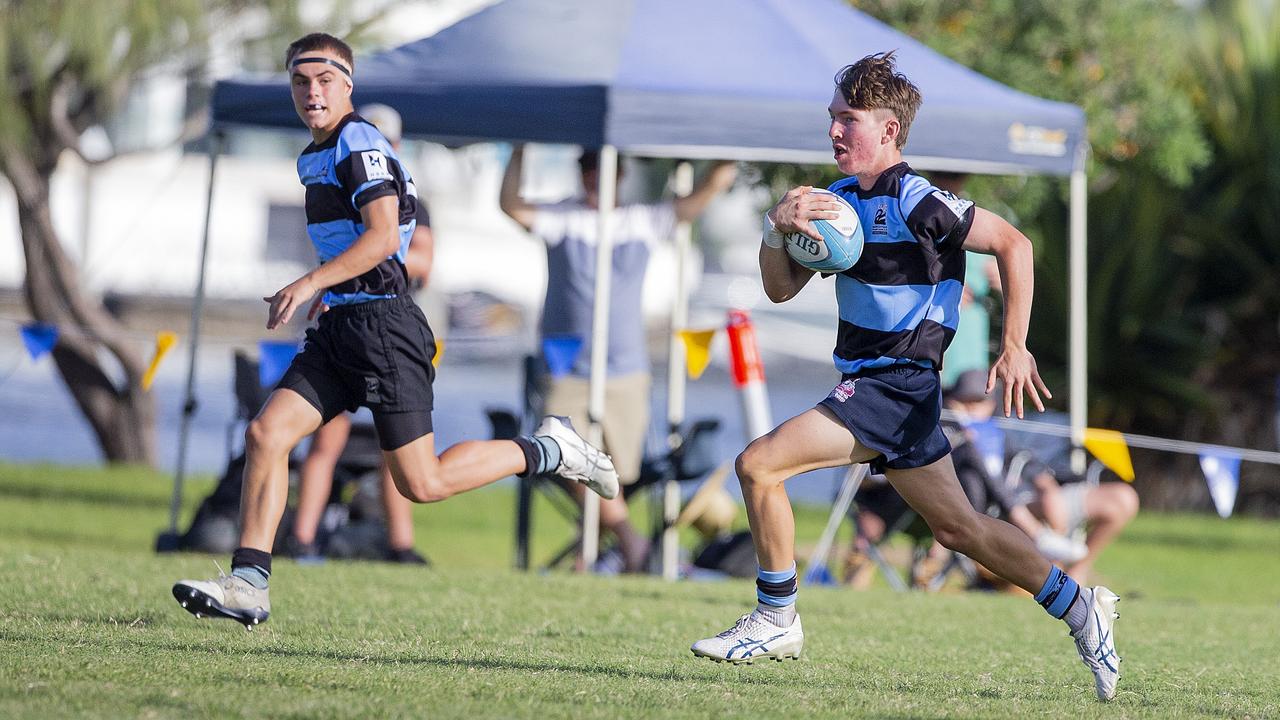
[(354, 166), (900, 303)]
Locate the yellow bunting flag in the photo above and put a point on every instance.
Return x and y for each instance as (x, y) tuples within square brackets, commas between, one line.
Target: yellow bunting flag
[(1109, 447), (697, 350), (165, 340), (435, 359)]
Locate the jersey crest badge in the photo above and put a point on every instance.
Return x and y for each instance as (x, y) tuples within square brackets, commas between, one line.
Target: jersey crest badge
[(844, 390)]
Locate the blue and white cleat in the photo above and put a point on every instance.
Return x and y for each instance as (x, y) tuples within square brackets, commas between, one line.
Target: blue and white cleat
[(1096, 642), (753, 638)]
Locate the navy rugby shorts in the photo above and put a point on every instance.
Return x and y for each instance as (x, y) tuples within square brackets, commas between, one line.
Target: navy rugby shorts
[(894, 411), (376, 354)]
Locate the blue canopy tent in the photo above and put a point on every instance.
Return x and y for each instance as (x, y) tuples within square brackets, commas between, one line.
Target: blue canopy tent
[(734, 79)]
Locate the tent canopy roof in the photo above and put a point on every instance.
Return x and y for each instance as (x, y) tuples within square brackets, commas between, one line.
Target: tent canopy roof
[(741, 79)]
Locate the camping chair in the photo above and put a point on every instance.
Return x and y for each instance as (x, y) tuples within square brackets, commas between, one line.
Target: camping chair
[(909, 523), (692, 458), (903, 520)]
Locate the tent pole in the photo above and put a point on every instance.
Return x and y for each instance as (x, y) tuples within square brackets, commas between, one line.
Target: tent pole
[(1078, 341), (600, 338), (683, 183), (168, 540)]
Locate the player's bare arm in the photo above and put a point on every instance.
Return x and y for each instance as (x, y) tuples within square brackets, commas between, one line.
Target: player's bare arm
[(1015, 366), (516, 207), (379, 241)]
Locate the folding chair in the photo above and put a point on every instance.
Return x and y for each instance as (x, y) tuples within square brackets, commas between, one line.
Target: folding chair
[(692, 459)]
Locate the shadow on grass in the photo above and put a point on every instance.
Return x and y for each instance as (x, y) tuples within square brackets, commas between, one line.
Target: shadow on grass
[(80, 495), (692, 674)]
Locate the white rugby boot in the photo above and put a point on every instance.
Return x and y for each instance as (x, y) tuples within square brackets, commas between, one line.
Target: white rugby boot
[(225, 596), (753, 638), (1096, 642), (580, 461)]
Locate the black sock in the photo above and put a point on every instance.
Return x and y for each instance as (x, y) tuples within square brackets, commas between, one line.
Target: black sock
[(532, 455)]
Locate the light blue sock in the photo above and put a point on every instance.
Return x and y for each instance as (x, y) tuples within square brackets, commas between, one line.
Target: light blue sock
[(1058, 593), (550, 459), (776, 591), (252, 574)]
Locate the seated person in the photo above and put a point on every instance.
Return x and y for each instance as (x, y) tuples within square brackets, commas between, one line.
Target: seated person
[(977, 449), (879, 507), (1057, 510), (1101, 511)]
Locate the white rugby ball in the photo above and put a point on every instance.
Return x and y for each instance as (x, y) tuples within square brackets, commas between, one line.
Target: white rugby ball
[(841, 243)]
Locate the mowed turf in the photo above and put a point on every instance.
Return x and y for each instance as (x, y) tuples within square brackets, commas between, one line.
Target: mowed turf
[(88, 628)]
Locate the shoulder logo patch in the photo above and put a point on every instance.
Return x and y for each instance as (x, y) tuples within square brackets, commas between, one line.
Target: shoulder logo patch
[(957, 205), (375, 165)]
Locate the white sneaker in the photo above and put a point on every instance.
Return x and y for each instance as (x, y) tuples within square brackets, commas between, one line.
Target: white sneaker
[(1096, 642), (1060, 548), (226, 596), (753, 638), (580, 461)]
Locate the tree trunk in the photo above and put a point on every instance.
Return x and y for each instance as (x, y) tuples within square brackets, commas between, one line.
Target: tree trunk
[(122, 415)]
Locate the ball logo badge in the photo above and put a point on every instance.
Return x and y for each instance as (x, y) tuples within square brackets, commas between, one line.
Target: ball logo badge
[(806, 248), (838, 242)]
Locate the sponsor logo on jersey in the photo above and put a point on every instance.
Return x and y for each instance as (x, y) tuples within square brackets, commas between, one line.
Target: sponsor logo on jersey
[(956, 205), (375, 165)]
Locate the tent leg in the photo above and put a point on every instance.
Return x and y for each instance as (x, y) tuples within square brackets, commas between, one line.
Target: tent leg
[(600, 339), (1078, 343), (683, 183), (168, 541)]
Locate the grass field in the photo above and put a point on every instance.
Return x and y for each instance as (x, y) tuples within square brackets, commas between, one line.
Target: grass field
[(88, 628)]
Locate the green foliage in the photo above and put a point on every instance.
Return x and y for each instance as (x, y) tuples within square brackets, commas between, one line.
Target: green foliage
[(90, 50), (1238, 206), (88, 629), (1123, 61)]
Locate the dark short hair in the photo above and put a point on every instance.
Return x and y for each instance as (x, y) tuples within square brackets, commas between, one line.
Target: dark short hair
[(320, 41), (589, 160), (874, 83)]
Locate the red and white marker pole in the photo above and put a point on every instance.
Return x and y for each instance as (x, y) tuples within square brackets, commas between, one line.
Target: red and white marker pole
[(748, 374)]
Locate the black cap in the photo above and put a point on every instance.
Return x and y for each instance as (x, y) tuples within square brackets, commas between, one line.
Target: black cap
[(970, 386)]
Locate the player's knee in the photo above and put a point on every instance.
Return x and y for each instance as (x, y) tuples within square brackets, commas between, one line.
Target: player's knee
[(753, 472), (422, 487), (261, 437), (957, 533)]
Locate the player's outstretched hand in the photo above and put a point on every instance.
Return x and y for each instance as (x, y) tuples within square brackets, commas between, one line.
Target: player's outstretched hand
[(287, 301), (1016, 369), (798, 207)]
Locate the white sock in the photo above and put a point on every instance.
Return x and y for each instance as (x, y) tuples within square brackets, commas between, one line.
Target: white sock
[(1078, 614), (781, 616)]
